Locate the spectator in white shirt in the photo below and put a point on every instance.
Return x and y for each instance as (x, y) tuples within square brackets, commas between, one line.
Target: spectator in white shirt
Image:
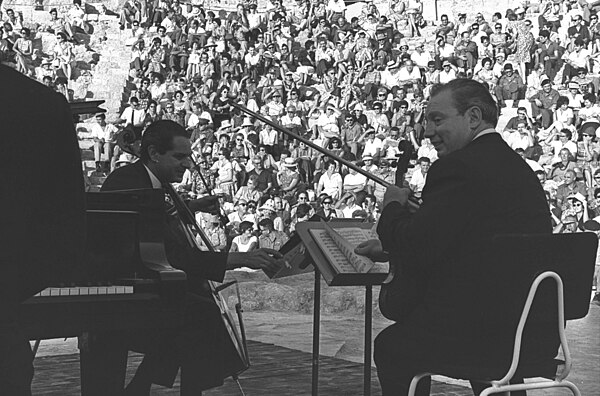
[(354, 181), (373, 145), (421, 57), (448, 72), (133, 115), (409, 75), (104, 138), (418, 179)]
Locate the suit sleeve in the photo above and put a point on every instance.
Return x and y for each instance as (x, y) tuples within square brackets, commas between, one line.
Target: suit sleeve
[(196, 263), (421, 240)]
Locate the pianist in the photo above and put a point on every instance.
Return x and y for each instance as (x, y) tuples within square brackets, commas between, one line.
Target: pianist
[(43, 219), (165, 156)]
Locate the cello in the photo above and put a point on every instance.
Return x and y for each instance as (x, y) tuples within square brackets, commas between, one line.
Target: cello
[(236, 359)]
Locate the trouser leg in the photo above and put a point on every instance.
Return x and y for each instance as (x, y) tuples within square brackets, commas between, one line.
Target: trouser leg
[(546, 117), (394, 371), (98, 151)]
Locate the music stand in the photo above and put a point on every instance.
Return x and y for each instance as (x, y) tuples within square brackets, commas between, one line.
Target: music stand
[(323, 267)]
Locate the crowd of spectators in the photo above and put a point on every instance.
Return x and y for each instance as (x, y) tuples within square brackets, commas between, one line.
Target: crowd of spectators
[(358, 87), (54, 67)]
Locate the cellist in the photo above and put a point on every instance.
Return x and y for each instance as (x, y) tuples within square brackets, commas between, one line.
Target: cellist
[(164, 157)]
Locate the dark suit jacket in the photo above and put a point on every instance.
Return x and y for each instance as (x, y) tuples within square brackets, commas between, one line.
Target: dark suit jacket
[(41, 189), (207, 265), (444, 249)]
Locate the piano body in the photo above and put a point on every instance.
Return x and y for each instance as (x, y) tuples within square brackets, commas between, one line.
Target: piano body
[(125, 284)]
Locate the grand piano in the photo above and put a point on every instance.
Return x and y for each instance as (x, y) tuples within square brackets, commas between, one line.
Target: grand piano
[(125, 284)]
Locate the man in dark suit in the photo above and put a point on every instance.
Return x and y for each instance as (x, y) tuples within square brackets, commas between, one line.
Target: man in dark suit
[(439, 298), (165, 156), (43, 221)]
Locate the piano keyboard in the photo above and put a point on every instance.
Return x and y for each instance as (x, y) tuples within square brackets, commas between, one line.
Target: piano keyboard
[(85, 291)]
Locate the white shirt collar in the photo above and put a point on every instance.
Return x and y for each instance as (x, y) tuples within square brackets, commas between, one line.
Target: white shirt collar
[(155, 182), (485, 132)]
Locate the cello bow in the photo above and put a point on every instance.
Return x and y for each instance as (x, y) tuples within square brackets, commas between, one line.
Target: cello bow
[(413, 202)]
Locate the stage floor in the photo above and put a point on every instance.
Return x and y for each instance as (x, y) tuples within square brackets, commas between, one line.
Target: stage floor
[(275, 371)]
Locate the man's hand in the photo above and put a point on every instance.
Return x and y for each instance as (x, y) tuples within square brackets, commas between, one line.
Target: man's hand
[(396, 194), (268, 260), (538, 102), (209, 204), (373, 250)]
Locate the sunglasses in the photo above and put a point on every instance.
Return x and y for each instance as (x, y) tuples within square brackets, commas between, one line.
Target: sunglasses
[(242, 204), (327, 203)]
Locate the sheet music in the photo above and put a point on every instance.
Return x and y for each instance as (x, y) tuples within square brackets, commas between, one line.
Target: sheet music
[(338, 247)]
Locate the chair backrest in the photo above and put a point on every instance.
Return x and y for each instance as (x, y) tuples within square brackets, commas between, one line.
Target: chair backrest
[(521, 257)]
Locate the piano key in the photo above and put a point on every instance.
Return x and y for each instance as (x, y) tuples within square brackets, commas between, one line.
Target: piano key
[(83, 291), (45, 292), (54, 291), (102, 290), (92, 291)]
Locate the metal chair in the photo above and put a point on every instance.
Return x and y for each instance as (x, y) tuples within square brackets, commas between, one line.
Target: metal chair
[(568, 261)]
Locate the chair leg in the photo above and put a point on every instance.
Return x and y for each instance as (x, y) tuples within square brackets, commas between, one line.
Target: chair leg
[(415, 381), (572, 387)]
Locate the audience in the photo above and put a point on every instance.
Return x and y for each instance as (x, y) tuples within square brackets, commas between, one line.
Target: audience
[(356, 86)]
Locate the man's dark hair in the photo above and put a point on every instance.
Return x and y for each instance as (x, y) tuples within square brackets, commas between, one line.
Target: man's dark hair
[(497, 15), (245, 225), (101, 115), (567, 133), (302, 210), (578, 41), (160, 134), (590, 96), (561, 101), (424, 159), (545, 34), (268, 223), (467, 93)]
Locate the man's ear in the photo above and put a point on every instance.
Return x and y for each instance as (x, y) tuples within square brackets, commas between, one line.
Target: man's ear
[(475, 117), (153, 153)]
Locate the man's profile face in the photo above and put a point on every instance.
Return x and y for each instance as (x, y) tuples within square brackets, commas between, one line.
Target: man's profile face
[(173, 163), (447, 130), (569, 177)]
